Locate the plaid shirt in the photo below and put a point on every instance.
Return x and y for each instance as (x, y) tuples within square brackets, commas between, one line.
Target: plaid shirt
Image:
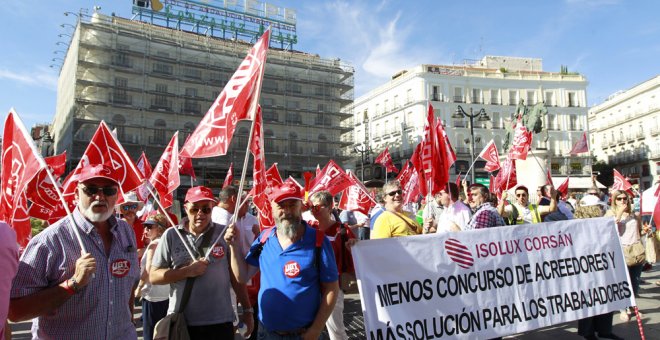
[(485, 217), (99, 310)]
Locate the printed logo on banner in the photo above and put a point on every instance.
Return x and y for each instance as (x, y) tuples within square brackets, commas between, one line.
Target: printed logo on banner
[(292, 269), (459, 253), (120, 268), (218, 252)]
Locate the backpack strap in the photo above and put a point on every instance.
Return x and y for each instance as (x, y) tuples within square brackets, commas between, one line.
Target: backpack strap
[(317, 250), (264, 238)]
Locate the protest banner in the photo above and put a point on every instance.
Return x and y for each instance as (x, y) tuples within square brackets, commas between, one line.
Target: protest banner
[(493, 282)]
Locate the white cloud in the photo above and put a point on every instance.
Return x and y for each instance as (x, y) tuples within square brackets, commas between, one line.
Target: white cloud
[(41, 77)]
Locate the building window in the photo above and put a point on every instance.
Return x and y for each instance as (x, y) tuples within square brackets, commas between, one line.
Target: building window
[(476, 96), (293, 88), (513, 97), (162, 68), (572, 100), (119, 122), (322, 144), (119, 93), (192, 73), (458, 95), (495, 97), (293, 143), (550, 98), (159, 132)]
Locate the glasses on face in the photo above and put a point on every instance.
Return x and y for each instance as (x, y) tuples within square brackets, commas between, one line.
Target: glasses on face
[(316, 207), (394, 193), (127, 207), (107, 191), (149, 226), (195, 210), (622, 198)]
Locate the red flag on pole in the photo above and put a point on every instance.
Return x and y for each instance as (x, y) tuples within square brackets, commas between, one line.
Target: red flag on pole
[(563, 187), (144, 166), (620, 182), (41, 190), (237, 101), (185, 165), (440, 131), (332, 178), (273, 176), (522, 141), (410, 183), (507, 174), (165, 177), (230, 176), (385, 159), (416, 162), (356, 197), (491, 156), (20, 163), (548, 177), (581, 146), (257, 149), (458, 182), (104, 148), (434, 155)]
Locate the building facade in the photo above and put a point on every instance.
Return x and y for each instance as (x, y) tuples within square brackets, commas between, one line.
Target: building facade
[(625, 133), (393, 114), (148, 81)]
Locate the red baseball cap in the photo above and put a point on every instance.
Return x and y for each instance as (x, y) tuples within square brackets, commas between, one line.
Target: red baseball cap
[(97, 171), (199, 193), (285, 191)]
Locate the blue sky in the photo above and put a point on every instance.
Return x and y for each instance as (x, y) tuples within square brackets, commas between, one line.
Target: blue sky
[(614, 43)]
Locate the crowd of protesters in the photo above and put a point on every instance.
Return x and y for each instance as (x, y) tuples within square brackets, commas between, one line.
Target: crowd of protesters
[(229, 278)]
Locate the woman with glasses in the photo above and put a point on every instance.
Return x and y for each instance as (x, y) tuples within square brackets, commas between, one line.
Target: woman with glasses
[(629, 227), (128, 210), (394, 222), (155, 298)]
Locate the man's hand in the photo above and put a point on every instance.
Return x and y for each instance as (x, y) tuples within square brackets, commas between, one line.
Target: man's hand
[(197, 268), (553, 192), (505, 194), (249, 323), (232, 234), (85, 268), (428, 225)]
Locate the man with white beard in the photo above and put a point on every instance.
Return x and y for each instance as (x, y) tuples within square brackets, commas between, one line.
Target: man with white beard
[(76, 295), (299, 279)]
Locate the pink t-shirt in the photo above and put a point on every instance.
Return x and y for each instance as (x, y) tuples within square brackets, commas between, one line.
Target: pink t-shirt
[(8, 268)]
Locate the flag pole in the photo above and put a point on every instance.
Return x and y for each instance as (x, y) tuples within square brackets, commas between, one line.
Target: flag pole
[(254, 106), (471, 166), (169, 219), (66, 207)]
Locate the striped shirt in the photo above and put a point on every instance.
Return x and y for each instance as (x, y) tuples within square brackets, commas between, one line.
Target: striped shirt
[(99, 310)]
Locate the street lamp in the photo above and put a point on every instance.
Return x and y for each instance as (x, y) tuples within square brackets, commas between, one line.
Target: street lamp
[(483, 117), (363, 150)]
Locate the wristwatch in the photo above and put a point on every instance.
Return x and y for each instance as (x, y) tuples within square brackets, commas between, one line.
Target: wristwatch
[(71, 286), (248, 310)]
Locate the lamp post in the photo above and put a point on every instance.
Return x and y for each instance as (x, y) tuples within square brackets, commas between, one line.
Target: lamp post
[(363, 150), (483, 117)]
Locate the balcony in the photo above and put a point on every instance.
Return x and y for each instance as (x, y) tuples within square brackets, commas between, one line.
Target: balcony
[(461, 150), (639, 134), (495, 101), (157, 140), (513, 102), (161, 104), (655, 131), (459, 124), (192, 107), (121, 98), (459, 99)]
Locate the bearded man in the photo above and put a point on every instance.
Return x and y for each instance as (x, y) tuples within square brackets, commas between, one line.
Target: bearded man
[(80, 295), (299, 279)]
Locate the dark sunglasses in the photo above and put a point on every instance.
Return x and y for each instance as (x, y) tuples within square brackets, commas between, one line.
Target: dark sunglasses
[(622, 198), (394, 193), (128, 207), (148, 226), (107, 191), (316, 207), (195, 210)]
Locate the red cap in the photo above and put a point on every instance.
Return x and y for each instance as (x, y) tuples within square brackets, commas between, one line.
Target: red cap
[(96, 171), (285, 191), (199, 193)]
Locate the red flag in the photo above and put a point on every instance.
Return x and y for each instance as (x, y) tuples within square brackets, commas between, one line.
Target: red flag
[(620, 183), (549, 177), (356, 197), (186, 167), (229, 179), (492, 186), (416, 161), (56, 164), (491, 156), (104, 148), (563, 187), (385, 159), (257, 149), (458, 182), (262, 203), (434, 155), (522, 141), (442, 135), (165, 177), (144, 166), (20, 163), (237, 101), (410, 184), (307, 175), (332, 178), (506, 175), (581, 146), (273, 176)]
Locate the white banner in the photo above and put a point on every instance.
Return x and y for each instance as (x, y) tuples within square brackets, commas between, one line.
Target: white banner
[(493, 282)]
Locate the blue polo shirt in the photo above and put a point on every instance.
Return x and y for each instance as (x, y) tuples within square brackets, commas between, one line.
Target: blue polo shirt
[(290, 292)]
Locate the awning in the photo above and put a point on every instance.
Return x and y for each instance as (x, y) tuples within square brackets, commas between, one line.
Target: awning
[(576, 183)]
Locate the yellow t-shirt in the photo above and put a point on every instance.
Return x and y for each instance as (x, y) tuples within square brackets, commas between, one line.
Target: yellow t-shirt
[(390, 224)]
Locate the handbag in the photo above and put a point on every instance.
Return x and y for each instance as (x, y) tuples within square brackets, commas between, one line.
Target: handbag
[(634, 254), (174, 326)]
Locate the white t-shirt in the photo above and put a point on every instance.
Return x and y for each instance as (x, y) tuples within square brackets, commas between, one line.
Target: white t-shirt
[(458, 213)]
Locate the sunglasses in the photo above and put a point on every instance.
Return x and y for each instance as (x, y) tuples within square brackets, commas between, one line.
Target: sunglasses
[(394, 193), (149, 226), (195, 210), (107, 191), (316, 207), (127, 207), (622, 198)]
